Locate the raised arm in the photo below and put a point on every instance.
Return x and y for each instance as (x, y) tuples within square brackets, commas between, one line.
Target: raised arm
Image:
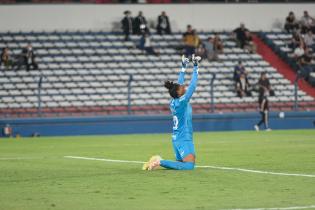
[(193, 84), (181, 77)]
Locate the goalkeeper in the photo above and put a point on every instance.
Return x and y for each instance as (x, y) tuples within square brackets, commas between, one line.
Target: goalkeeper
[(182, 137)]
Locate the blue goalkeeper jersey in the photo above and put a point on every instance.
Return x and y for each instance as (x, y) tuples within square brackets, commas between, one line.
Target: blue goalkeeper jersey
[(182, 111)]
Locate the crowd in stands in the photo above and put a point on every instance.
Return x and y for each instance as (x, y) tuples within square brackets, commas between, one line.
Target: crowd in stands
[(25, 58), (302, 44), (208, 49), (139, 26)]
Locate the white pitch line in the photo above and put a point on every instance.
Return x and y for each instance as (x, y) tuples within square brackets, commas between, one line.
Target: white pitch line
[(103, 159), (213, 167), (15, 158), (280, 208)]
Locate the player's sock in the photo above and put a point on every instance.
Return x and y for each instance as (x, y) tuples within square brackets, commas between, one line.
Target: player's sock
[(177, 165)]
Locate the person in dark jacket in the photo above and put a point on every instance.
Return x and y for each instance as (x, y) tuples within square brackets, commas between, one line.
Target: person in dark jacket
[(264, 111), (27, 58), (127, 24), (140, 24), (264, 85), (163, 26)]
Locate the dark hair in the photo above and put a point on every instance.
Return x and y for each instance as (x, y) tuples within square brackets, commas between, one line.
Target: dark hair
[(172, 88)]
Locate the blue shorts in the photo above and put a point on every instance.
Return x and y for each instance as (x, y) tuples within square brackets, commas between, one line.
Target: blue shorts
[(182, 149)]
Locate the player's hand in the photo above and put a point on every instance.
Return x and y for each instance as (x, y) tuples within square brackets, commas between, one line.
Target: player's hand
[(195, 59), (185, 61)]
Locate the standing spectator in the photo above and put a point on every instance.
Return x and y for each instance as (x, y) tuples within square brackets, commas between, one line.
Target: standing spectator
[(309, 40), (307, 22), (140, 24), (248, 42), (238, 70), (242, 86), (28, 58), (210, 52), (264, 111), (264, 85), (291, 24), (218, 44), (127, 24), (240, 36), (163, 26), (6, 60), (189, 41)]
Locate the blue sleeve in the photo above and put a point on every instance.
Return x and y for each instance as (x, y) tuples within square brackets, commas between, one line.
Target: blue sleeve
[(193, 84), (181, 78)]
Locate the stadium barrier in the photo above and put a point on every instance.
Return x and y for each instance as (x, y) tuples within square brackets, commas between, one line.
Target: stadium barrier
[(150, 124)]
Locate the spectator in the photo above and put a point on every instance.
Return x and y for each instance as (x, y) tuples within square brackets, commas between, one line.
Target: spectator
[(242, 86), (189, 41), (238, 70), (127, 24), (291, 24), (309, 40), (248, 42), (295, 41), (140, 24), (240, 36), (299, 51), (304, 63), (307, 22), (210, 52), (163, 26), (27, 58), (218, 44), (145, 44), (201, 51), (264, 85), (6, 60)]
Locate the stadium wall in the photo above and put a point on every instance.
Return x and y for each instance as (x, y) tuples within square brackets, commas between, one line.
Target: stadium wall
[(107, 17), (152, 124)]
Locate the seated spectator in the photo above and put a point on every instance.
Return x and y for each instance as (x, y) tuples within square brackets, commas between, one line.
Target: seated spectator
[(309, 40), (163, 26), (238, 70), (248, 42), (218, 44), (240, 36), (189, 41), (304, 63), (307, 23), (291, 24), (127, 24), (210, 52), (27, 58), (140, 24), (296, 41), (6, 60), (145, 44), (201, 51), (299, 51), (242, 86), (264, 85)]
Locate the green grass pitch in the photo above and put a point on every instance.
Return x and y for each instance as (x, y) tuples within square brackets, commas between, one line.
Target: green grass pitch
[(34, 175)]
